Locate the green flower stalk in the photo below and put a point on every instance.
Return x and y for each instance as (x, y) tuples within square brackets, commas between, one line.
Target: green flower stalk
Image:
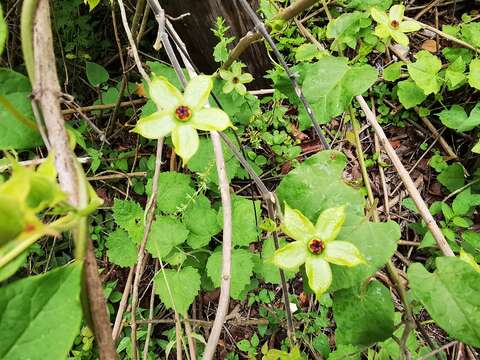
[(181, 115), (392, 25), (316, 247), (235, 80)]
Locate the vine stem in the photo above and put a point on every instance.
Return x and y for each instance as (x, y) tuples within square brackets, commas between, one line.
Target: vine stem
[(407, 180), (38, 48)]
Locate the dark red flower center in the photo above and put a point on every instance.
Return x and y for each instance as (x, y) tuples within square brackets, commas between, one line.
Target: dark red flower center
[(29, 228), (316, 246), (235, 80), (183, 113), (395, 24)]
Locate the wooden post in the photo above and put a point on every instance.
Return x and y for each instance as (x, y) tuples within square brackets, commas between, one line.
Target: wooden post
[(199, 39)]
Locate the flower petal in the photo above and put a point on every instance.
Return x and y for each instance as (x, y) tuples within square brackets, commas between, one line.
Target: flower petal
[(400, 38), (290, 256), (343, 253), (329, 223), (197, 91), (382, 31), (228, 87), (296, 225), (319, 274), (379, 16), (237, 68), (166, 96), (226, 75), (185, 140), (396, 13), (409, 26), (210, 119), (157, 125), (241, 89), (245, 78)]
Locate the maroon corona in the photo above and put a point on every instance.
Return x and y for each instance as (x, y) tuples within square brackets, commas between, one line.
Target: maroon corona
[(316, 246), (183, 113)]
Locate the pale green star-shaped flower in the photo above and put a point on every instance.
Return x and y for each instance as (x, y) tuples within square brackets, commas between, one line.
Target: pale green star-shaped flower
[(392, 25), (235, 79), (181, 115), (316, 247)]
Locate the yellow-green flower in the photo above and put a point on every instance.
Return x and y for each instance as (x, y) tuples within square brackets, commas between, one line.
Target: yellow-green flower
[(392, 25), (316, 247), (181, 115), (235, 79)]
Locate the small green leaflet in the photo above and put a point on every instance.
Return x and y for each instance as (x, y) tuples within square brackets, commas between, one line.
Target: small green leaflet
[(177, 289), (242, 270), (454, 75), (474, 76), (471, 33), (121, 249), (345, 29), (363, 318), (409, 94), (128, 215), (96, 74), (41, 315), (201, 220), (92, 4), (3, 31), (174, 190), (393, 71), (451, 296), (456, 118), (452, 177), (166, 233), (330, 85), (425, 72), (244, 223)]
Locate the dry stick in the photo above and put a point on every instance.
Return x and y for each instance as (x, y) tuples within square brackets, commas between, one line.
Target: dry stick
[(47, 91), (445, 35), (150, 314), (407, 180), (298, 91), (285, 14), (436, 351), (104, 106), (208, 324), (117, 326), (190, 339), (392, 270)]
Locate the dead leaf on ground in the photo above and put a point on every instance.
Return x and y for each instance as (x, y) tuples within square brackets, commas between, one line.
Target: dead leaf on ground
[(430, 45)]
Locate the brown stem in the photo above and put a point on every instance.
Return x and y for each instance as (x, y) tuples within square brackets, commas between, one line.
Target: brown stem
[(47, 92)]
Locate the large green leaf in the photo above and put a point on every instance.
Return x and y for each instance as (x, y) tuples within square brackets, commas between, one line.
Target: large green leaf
[(121, 248), (41, 315), (129, 216), (456, 118), (451, 296), (424, 72), (345, 29), (17, 126), (317, 185), (377, 243), (363, 318), (177, 289), (330, 85)]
